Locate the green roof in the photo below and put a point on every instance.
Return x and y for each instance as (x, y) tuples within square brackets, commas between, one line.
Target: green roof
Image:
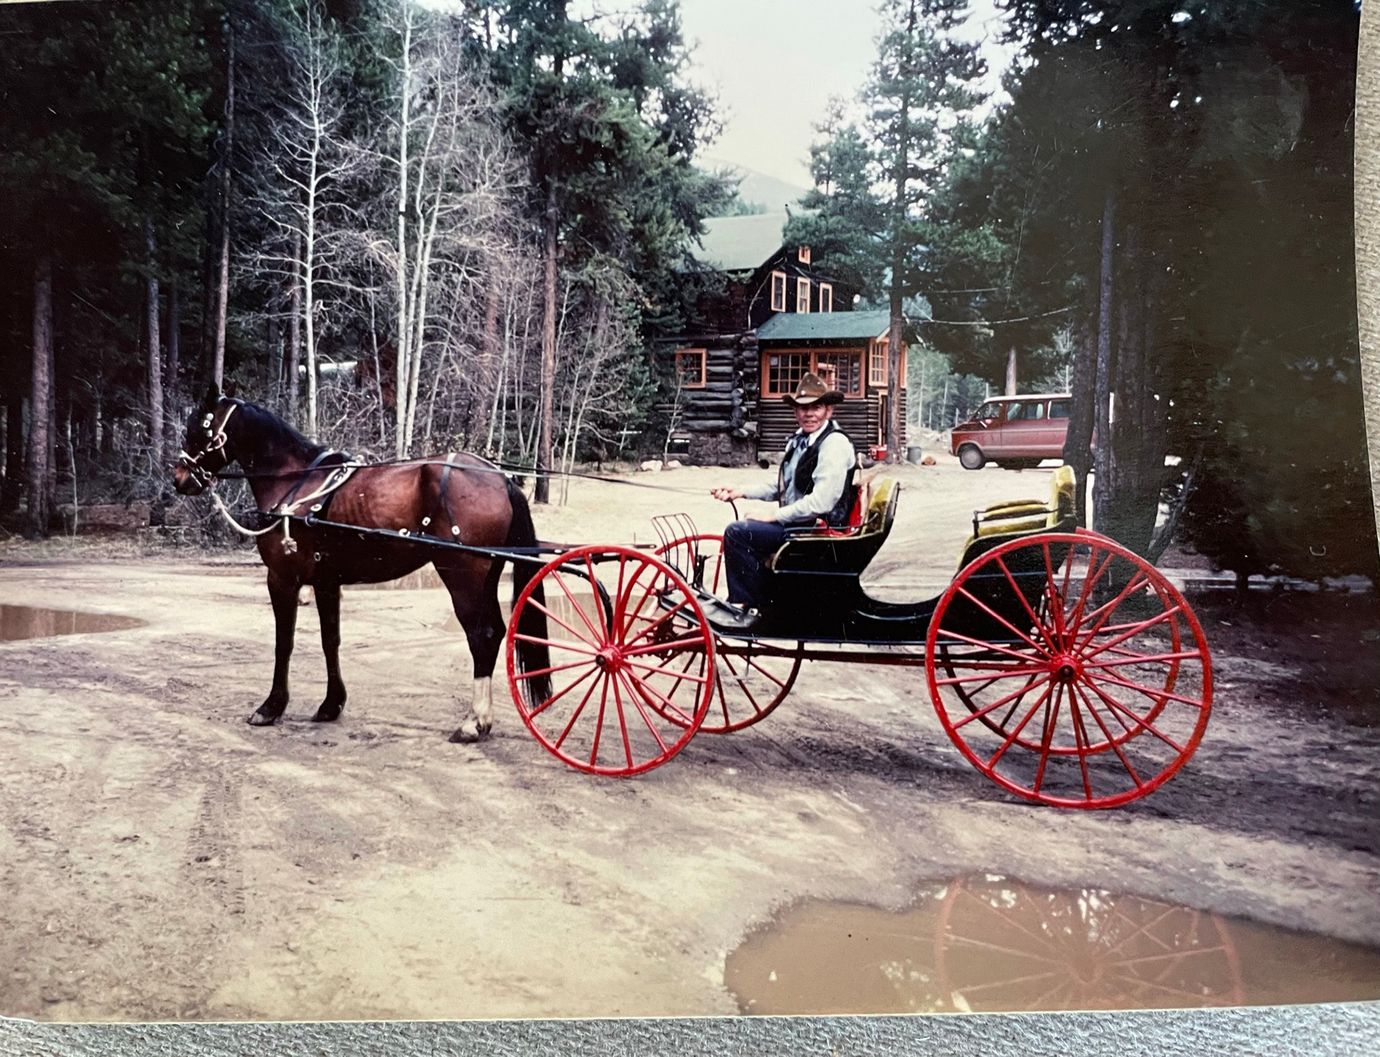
[(735, 244), (805, 326)]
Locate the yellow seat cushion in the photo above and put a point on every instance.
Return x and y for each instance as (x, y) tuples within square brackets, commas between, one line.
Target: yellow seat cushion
[(1038, 514)]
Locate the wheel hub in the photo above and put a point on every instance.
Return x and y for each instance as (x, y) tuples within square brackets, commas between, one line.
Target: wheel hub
[(610, 659), (1065, 667)]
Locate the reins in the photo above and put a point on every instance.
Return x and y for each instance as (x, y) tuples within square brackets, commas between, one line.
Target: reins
[(507, 469)]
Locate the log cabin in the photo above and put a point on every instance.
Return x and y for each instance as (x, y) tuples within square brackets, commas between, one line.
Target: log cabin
[(773, 316)]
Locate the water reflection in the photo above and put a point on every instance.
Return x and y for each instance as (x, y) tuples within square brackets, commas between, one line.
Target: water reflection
[(28, 622), (989, 944)]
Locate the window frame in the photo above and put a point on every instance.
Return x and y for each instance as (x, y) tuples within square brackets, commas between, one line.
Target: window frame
[(803, 288), (702, 359), (823, 287), (802, 254), (778, 305), (811, 365)]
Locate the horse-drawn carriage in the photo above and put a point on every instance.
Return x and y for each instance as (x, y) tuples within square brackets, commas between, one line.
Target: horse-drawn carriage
[(1062, 665)]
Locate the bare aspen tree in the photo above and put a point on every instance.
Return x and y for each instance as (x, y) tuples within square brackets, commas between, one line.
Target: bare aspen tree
[(300, 187), (455, 221)]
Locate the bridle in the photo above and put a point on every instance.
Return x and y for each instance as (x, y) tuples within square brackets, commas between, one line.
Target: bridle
[(216, 440)]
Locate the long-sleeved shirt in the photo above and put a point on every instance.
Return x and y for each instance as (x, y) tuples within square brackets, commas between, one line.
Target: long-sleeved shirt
[(831, 474)]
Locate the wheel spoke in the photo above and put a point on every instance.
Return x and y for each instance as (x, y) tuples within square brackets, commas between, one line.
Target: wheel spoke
[(622, 720), (1106, 732), (1080, 741), (1090, 578), (949, 635), (1009, 673), (533, 713), (1001, 619), (1047, 736), (594, 587), (652, 625), (1149, 622), (1035, 621), (1015, 695), (1135, 718), (660, 647), (665, 703), (570, 723), (635, 689), (547, 671), (1127, 657), (1159, 696), (1103, 613), (1011, 738), (531, 601), (657, 669)]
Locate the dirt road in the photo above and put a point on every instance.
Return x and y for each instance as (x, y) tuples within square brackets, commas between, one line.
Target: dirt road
[(160, 859)]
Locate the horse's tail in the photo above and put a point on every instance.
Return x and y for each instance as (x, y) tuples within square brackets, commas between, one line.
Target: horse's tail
[(531, 656)]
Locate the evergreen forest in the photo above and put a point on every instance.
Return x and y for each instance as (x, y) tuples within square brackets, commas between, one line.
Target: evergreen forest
[(414, 228)]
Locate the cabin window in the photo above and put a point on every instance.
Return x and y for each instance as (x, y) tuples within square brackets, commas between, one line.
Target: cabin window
[(826, 297), (802, 295), (778, 291), (842, 369), (691, 369), (876, 362), (803, 254)]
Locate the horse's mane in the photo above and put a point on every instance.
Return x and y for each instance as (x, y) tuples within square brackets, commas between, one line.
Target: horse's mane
[(276, 433)]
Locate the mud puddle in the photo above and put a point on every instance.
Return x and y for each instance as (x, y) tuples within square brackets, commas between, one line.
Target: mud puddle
[(991, 944), (28, 622)]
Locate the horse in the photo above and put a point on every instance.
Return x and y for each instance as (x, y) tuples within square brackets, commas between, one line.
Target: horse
[(459, 498)]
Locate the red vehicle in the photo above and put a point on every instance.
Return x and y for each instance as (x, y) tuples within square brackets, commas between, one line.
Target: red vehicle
[(1013, 431)]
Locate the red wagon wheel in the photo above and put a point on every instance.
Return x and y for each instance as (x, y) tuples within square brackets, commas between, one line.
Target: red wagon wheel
[(750, 679), (619, 625), (1069, 670), (1002, 945)]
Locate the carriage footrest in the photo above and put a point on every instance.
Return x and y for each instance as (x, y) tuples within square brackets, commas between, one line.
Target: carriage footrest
[(725, 615)]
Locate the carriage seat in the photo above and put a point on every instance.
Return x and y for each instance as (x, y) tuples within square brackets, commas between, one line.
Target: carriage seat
[(1022, 517), (847, 549)]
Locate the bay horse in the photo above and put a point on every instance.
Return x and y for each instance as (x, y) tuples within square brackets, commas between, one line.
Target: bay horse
[(459, 498)]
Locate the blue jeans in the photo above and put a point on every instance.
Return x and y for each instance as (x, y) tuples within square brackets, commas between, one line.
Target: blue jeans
[(747, 546)]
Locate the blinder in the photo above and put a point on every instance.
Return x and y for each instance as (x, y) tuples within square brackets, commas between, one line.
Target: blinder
[(216, 439)]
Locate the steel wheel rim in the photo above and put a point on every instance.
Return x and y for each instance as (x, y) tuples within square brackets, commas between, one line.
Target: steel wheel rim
[(749, 682), (602, 715), (1108, 737)]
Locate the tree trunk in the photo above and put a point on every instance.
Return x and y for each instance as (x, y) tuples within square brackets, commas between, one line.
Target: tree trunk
[(174, 365), (40, 400), (153, 352), (1104, 411), (223, 281), (546, 381), (14, 450), (487, 374), (294, 356), (404, 351), (1011, 382)]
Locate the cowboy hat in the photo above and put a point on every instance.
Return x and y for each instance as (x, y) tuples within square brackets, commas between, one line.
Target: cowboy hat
[(812, 390)]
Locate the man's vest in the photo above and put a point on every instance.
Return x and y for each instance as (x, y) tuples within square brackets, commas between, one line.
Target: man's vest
[(804, 476)]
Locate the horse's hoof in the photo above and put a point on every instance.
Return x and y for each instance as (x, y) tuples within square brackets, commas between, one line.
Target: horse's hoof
[(327, 713), (263, 719), (469, 732)]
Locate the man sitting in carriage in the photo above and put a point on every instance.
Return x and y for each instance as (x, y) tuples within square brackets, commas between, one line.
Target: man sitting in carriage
[(813, 484)]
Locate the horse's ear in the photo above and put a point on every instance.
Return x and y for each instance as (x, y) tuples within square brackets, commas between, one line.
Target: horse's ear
[(212, 396), (231, 388)]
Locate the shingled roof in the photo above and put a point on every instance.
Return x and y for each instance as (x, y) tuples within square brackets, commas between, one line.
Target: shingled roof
[(741, 244), (806, 326)]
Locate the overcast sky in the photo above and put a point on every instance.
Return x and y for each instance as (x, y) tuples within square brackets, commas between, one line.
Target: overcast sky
[(774, 64)]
